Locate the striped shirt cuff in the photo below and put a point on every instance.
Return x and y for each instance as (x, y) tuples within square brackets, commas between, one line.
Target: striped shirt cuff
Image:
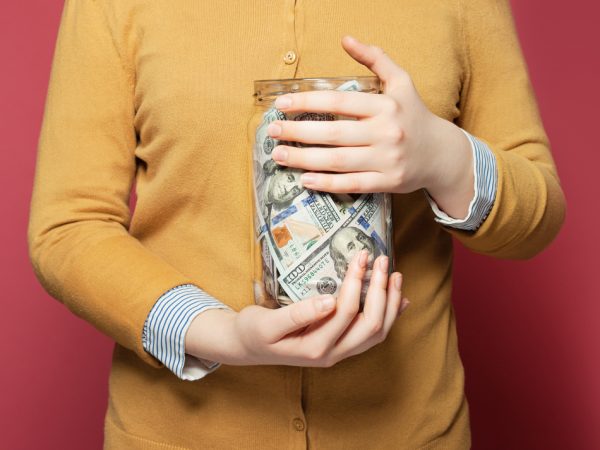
[(164, 331), (486, 180)]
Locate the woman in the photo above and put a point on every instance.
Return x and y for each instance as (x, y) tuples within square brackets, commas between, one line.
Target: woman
[(159, 93)]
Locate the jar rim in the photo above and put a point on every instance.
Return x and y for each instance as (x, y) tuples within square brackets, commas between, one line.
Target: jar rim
[(345, 77), (265, 90)]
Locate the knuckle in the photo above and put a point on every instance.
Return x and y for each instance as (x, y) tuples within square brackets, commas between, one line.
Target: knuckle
[(328, 362), (399, 177), (390, 106), (318, 354), (353, 309), (396, 157), (348, 309), (296, 315), (380, 336), (355, 184), (337, 160), (353, 275), (394, 133), (287, 131), (333, 132), (350, 313), (375, 327)]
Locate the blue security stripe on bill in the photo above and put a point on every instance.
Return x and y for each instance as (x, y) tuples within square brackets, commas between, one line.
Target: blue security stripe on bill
[(283, 214), (292, 210), (363, 223)]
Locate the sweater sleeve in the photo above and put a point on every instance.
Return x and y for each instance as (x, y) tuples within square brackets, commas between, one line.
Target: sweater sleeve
[(498, 106), (78, 239)]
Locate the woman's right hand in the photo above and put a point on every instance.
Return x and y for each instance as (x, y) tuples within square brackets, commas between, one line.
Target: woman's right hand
[(305, 333)]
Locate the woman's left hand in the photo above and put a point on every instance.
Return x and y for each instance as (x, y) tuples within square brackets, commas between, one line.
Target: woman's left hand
[(396, 144)]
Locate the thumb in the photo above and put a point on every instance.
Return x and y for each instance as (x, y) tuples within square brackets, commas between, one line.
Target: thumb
[(375, 59), (299, 315)]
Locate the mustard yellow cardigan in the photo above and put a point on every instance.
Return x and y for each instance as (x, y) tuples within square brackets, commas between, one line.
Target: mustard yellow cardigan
[(159, 93)]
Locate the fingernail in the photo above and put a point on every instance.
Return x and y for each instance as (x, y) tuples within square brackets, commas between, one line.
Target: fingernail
[(307, 179), (283, 102), (383, 264), (274, 130), (362, 260), (404, 305), (326, 303), (398, 281), (280, 154)]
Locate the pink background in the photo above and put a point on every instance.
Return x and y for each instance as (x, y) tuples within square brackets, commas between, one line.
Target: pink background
[(528, 330)]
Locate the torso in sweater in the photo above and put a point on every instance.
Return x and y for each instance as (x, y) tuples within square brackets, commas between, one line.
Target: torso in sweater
[(161, 93)]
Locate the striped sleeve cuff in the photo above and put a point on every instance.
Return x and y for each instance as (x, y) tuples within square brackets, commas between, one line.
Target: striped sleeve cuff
[(164, 331), (486, 180)]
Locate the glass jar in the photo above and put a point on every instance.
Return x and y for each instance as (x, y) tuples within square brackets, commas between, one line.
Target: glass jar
[(303, 239)]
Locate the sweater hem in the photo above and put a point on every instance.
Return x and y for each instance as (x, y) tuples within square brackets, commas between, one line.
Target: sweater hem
[(116, 438)]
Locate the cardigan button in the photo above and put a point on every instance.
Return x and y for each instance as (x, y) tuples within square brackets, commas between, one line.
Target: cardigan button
[(290, 57), (298, 424)]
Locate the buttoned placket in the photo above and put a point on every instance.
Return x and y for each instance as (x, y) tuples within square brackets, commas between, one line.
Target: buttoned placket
[(296, 421), (297, 380), (293, 26)]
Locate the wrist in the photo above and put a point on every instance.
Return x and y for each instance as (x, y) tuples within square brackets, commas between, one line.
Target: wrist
[(211, 336), (451, 183)]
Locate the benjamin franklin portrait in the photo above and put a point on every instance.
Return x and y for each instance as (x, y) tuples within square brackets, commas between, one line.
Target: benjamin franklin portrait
[(345, 243), (282, 185)]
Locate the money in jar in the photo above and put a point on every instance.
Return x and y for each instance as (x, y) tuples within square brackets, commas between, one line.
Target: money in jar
[(302, 239)]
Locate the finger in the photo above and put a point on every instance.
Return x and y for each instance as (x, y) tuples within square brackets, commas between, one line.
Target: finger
[(330, 159), (348, 302), (354, 182), (405, 303), (375, 59), (348, 103), (329, 132), (361, 336), (283, 321), (394, 301), (376, 299), (353, 341)]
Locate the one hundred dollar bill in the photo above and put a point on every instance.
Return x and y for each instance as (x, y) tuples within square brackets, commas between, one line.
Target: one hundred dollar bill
[(295, 228), (322, 269)]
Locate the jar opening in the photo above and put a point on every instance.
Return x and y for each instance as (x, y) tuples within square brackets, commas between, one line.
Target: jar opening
[(265, 91)]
